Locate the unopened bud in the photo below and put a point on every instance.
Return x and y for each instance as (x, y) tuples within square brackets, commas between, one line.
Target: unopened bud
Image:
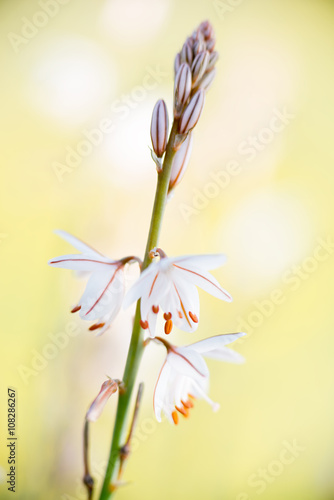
[(108, 388), (182, 88), (192, 112), (199, 46), (177, 63), (199, 66), (210, 44), (187, 53), (206, 81), (180, 162), (159, 128), (212, 61)]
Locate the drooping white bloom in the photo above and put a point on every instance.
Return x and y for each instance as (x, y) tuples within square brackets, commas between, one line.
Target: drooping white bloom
[(104, 293), (171, 284), (108, 388), (184, 375)]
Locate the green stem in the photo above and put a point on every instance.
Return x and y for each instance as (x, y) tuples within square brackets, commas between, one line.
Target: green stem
[(136, 345)]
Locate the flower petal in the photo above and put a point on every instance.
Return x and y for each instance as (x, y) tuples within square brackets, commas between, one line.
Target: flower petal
[(80, 262), (76, 243), (213, 343), (206, 261), (141, 286), (160, 390), (107, 389), (103, 295), (187, 305), (204, 280), (188, 363)]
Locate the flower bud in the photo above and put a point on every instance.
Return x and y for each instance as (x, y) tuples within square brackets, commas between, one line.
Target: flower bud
[(199, 46), (210, 44), (199, 65), (212, 61), (182, 88), (187, 53), (159, 128), (180, 162), (108, 388), (192, 112), (177, 63), (206, 81)]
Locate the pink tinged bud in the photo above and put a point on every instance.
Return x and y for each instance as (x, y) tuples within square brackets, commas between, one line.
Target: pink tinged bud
[(187, 53), (159, 128), (212, 61), (182, 88), (107, 389), (177, 63), (199, 66), (206, 81), (210, 44), (199, 46), (180, 162), (192, 112)]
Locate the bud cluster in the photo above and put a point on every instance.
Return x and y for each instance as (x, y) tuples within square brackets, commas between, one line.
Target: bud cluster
[(194, 68)]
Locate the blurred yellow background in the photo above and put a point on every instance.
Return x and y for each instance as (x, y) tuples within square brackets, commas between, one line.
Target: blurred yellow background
[(259, 188)]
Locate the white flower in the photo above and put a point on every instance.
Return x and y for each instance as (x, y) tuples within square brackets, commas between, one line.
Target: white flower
[(171, 283), (104, 293), (108, 388), (184, 375)]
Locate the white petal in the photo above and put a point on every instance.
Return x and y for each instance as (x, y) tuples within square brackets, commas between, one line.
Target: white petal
[(204, 280), (76, 243), (209, 261), (153, 295), (225, 354), (188, 363), (213, 343), (187, 301), (103, 295), (80, 262), (141, 286), (160, 391)]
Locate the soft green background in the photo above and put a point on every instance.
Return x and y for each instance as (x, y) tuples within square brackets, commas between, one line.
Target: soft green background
[(268, 219)]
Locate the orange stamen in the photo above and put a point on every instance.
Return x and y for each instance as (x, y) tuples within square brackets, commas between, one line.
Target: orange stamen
[(175, 417), (167, 316), (183, 411), (96, 326), (180, 314), (143, 324), (155, 309), (193, 317), (187, 404), (75, 309), (168, 326)]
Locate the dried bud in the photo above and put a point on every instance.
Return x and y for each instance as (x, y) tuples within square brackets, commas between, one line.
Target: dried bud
[(182, 88), (213, 60), (180, 162), (177, 62), (159, 128), (206, 81), (187, 53), (192, 112), (199, 65), (108, 388)]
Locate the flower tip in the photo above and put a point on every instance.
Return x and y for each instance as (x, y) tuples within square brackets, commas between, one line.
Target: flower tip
[(215, 407)]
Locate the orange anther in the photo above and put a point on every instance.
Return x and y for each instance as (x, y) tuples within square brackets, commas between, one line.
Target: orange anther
[(143, 324), (96, 326), (167, 316), (168, 326), (75, 309), (183, 411), (193, 317), (187, 404), (175, 417), (155, 309), (180, 314)]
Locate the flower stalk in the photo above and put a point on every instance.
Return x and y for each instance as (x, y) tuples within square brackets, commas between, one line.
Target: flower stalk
[(136, 345)]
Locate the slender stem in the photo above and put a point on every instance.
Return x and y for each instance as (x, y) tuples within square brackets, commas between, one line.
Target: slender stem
[(136, 345), (87, 479)]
